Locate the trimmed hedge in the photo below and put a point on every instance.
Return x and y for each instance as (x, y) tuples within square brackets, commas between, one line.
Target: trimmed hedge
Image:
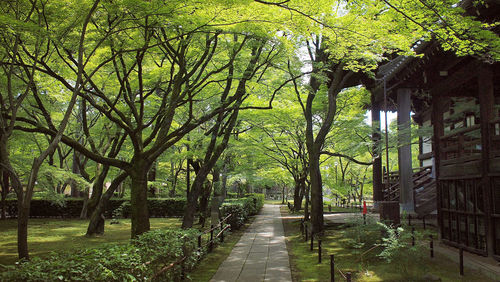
[(73, 207), (242, 208), (137, 261), (159, 207)]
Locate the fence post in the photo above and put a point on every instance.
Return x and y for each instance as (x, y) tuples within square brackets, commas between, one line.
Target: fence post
[(306, 232), (332, 268), (461, 254), (348, 276), (319, 250)]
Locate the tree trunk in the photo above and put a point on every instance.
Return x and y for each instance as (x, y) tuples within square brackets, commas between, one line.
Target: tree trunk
[(96, 224), (152, 177), (23, 213), (97, 188), (306, 205), (300, 190), (191, 205), (5, 190), (75, 168), (297, 197), (204, 200), (139, 213), (224, 184), (316, 192), (283, 195)]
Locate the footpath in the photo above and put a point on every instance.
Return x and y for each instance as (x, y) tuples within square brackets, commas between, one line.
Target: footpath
[(261, 253)]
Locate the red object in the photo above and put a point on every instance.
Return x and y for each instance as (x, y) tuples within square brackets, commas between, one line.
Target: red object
[(364, 208)]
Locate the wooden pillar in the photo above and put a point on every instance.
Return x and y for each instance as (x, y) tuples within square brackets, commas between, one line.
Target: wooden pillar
[(377, 158), (486, 102), (406, 202), (438, 131)]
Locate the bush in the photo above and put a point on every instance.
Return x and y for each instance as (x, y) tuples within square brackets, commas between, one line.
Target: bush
[(257, 201), (71, 208), (361, 235), (397, 248), (159, 207), (238, 212), (137, 261), (242, 208)]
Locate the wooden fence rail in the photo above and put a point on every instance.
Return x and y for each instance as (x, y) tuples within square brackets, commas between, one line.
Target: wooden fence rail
[(223, 226)]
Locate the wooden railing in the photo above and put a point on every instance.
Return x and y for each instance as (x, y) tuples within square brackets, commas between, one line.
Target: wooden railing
[(209, 245), (392, 193), (393, 177)]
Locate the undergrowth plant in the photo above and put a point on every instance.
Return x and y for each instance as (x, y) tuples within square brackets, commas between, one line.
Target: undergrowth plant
[(361, 235), (398, 250)]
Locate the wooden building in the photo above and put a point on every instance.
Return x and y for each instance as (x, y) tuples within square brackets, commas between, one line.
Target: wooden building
[(459, 98)]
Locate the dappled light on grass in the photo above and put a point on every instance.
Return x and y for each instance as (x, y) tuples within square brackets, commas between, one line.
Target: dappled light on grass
[(362, 261), (47, 235)]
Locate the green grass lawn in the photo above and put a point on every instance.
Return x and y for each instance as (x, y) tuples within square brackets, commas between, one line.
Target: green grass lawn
[(363, 262), (274, 202), (46, 235)]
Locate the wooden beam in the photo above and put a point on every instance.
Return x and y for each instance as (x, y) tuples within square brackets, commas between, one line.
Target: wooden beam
[(486, 103), (377, 156), (406, 199), (438, 105)]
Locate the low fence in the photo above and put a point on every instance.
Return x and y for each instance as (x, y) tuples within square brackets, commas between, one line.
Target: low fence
[(308, 235), (214, 234)]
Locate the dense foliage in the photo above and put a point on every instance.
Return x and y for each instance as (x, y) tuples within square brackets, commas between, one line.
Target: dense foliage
[(137, 261), (72, 207), (241, 209)]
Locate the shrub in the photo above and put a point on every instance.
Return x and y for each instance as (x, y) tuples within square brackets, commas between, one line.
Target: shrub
[(242, 208), (397, 248), (362, 235), (257, 201), (238, 212), (230, 195), (137, 261), (159, 207), (116, 207)]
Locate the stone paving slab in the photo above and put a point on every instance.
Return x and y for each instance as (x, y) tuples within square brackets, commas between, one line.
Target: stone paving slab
[(261, 253)]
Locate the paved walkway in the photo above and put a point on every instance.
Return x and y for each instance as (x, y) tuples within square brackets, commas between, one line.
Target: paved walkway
[(261, 253)]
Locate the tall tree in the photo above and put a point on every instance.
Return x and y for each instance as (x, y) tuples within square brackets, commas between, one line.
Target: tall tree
[(26, 73)]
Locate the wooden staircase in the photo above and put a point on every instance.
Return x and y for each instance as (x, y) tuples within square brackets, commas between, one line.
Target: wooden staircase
[(424, 191)]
